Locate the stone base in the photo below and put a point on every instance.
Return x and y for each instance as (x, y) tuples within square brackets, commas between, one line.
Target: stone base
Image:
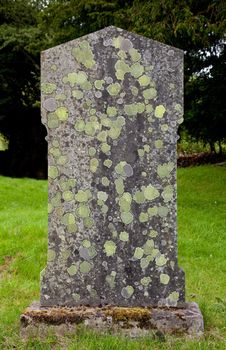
[(133, 322)]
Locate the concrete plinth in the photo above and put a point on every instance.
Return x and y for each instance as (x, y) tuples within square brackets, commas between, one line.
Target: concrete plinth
[(133, 322)]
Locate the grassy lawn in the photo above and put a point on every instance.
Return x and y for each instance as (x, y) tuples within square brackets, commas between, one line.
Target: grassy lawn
[(202, 254)]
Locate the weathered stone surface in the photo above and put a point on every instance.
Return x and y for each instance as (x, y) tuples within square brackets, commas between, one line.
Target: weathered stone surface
[(112, 103), (134, 322)]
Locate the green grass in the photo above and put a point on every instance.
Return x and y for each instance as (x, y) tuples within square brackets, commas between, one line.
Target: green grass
[(202, 226)]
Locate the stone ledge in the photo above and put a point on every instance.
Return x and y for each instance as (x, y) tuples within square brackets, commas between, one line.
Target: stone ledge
[(133, 322)]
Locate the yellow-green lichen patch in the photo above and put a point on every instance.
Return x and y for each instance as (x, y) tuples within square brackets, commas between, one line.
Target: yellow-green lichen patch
[(114, 89), (50, 208), (153, 233), (105, 148), (117, 41), (91, 128), (150, 94), (60, 97), (150, 192), (62, 113), (119, 185), (99, 84), (144, 80), (48, 88), (110, 248), (134, 91), (158, 143), (83, 195), (62, 160), (164, 170), (114, 132), (88, 222), (53, 172), (164, 278), (147, 148), (124, 236), (77, 94), (110, 279), (103, 196), (104, 209), (174, 296), (93, 165), (145, 281), (163, 211), (122, 54), (159, 111), (79, 125), (105, 182), (143, 217), (67, 184), (126, 217), (167, 193), (85, 267), (108, 163), (83, 54), (130, 109), (144, 262), (149, 108), (148, 246), (111, 111), (160, 260), (68, 196), (164, 127), (121, 69), (51, 255), (92, 151), (152, 211), (56, 200), (127, 292), (76, 297), (86, 243), (83, 211), (55, 151), (135, 55), (125, 202), (72, 270), (139, 252), (136, 70), (140, 152), (102, 136), (138, 197), (53, 121)]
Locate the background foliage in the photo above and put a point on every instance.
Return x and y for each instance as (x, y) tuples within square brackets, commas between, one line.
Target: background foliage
[(29, 26)]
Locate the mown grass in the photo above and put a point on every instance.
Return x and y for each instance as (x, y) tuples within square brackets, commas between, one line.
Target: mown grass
[(202, 226)]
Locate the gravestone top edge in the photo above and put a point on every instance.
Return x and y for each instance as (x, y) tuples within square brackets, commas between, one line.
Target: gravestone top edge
[(116, 30)]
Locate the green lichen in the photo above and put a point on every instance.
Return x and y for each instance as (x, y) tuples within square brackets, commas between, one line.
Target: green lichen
[(136, 70), (145, 281), (105, 148), (144, 80), (79, 125), (126, 217), (114, 89), (108, 163), (48, 88), (83, 211), (164, 170), (111, 111), (159, 111), (72, 270), (83, 195), (110, 248), (138, 197), (83, 54), (167, 193), (150, 192), (158, 143), (53, 172), (139, 252), (143, 217), (77, 94), (62, 113), (127, 292), (51, 255), (150, 94), (99, 84), (85, 267), (124, 236), (102, 136), (164, 278), (135, 55), (93, 165), (68, 196), (119, 185), (160, 260), (105, 182)]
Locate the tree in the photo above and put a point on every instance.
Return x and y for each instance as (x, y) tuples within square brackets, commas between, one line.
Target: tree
[(19, 91)]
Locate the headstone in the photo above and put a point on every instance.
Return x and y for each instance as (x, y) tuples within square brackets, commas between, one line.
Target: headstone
[(112, 102)]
